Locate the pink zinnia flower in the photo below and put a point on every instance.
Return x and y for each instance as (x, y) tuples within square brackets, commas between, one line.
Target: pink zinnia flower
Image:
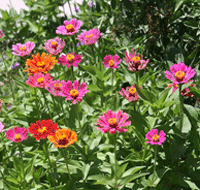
[(54, 87), (23, 50), (54, 46), (130, 93), (70, 27), (1, 33), (180, 73), (135, 62), (111, 62), (39, 80), (17, 134), (1, 127), (70, 59), (184, 92), (112, 122), (89, 37), (73, 92), (155, 138)]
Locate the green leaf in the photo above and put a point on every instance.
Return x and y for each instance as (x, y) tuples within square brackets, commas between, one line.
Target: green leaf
[(130, 178), (121, 170), (93, 87), (178, 5)]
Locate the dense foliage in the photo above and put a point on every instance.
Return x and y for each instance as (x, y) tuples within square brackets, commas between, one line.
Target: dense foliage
[(165, 32)]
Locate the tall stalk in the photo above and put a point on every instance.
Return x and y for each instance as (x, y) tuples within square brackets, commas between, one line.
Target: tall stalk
[(180, 107), (115, 155)]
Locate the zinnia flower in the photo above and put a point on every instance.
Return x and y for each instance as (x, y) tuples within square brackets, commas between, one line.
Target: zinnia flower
[(18, 134), (41, 129), (111, 62), (73, 92), (135, 62), (70, 59), (155, 138), (39, 80), (112, 122), (184, 92), (1, 33), (70, 27), (180, 73), (54, 87), (1, 127), (130, 93), (89, 37), (54, 46), (23, 50), (63, 138), (40, 64)]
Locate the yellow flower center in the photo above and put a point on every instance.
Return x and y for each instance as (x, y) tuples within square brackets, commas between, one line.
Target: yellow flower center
[(57, 85), (40, 63), (111, 63), (179, 75), (70, 57), (17, 136), (112, 121), (40, 80), (74, 93), (132, 90), (69, 26), (61, 136), (89, 36), (156, 138), (23, 48), (136, 58), (54, 43), (41, 130)]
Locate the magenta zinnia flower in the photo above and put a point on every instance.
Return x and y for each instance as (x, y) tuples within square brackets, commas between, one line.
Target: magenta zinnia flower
[(1, 33), (54, 46), (17, 134), (135, 62), (184, 92), (155, 138), (73, 92), (180, 73), (111, 62), (112, 122), (1, 127), (89, 37), (23, 50), (130, 93), (70, 27), (39, 80), (54, 87), (70, 59)]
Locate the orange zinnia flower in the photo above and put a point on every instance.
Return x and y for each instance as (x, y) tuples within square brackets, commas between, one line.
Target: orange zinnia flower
[(63, 138), (40, 64)]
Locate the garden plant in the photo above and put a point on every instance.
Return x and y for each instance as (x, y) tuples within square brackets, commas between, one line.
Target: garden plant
[(103, 98)]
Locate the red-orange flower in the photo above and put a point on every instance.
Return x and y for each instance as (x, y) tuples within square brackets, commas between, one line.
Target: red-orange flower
[(40, 63), (41, 129), (63, 138)]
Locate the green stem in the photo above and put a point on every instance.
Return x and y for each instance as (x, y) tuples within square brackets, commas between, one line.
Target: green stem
[(63, 151), (72, 72), (49, 161), (91, 46), (61, 105), (36, 101), (63, 67), (115, 155), (112, 83), (180, 107), (79, 122), (155, 159), (137, 77), (46, 103), (22, 162), (55, 106)]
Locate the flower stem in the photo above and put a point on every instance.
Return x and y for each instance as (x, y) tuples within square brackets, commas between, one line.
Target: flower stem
[(155, 158), (72, 72), (137, 77), (180, 107), (51, 167), (63, 67), (36, 101), (79, 122), (115, 155), (112, 83), (61, 105), (22, 162), (63, 152), (45, 99)]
